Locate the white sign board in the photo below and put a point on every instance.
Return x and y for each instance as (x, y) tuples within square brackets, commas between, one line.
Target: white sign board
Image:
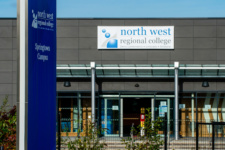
[(162, 111), (207, 106), (115, 107), (163, 103), (181, 106), (135, 37)]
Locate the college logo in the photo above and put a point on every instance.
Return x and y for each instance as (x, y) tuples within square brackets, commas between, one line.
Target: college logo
[(110, 42), (43, 20), (34, 22)]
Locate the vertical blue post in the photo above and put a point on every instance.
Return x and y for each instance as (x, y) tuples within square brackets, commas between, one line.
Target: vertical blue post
[(41, 26)]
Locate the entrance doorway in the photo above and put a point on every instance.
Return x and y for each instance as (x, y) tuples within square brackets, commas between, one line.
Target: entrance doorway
[(131, 112), (119, 112)]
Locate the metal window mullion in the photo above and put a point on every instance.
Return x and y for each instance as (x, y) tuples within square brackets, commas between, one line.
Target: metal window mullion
[(176, 68)]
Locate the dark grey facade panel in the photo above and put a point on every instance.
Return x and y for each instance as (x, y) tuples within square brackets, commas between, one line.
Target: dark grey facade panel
[(205, 31), (220, 43), (67, 43), (182, 54), (183, 31), (113, 22), (6, 43), (6, 22), (159, 22), (136, 55), (5, 32), (204, 22), (67, 22), (221, 31), (67, 32), (67, 54)]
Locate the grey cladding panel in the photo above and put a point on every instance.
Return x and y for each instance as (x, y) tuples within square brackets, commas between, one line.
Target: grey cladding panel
[(159, 55), (205, 22), (112, 61), (159, 86), (180, 22), (67, 61), (6, 55), (14, 54), (205, 31), (91, 55), (221, 54), (183, 31), (136, 55), (136, 22), (83, 86), (88, 43), (6, 66), (67, 32), (88, 32), (107, 86), (135, 62), (205, 43), (15, 66), (14, 22), (67, 54), (5, 22), (14, 30), (112, 22), (6, 43), (15, 43), (198, 86), (67, 22), (187, 86), (60, 86), (90, 22), (6, 89), (220, 22), (155, 22), (67, 43), (220, 31), (6, 77), (5, 31), (130, 86), (113, 55), (220, 86), (204, 55), (220, 42), (186, 43), (182, 55)]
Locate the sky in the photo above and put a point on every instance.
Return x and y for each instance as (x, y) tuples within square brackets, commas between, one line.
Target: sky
[(128, 8)]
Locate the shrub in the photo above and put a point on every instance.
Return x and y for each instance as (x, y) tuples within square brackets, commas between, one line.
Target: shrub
[(151, 140), (88, 142), (7, 125)]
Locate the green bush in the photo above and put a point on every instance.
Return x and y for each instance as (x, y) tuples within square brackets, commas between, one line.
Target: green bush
[(88, 142), (7, 125), (151, 139)]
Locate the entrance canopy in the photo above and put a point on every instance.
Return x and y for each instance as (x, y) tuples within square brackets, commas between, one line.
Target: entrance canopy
[(141, 71)]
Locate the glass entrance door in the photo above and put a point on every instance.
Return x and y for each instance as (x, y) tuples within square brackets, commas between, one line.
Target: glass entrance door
[(110, 117), (162, 106)]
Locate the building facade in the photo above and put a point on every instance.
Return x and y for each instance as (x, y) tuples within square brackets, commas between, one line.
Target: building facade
[(127, 80)]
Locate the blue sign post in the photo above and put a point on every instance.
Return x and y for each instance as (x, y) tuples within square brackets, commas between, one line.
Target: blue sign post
[(41, 75)]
